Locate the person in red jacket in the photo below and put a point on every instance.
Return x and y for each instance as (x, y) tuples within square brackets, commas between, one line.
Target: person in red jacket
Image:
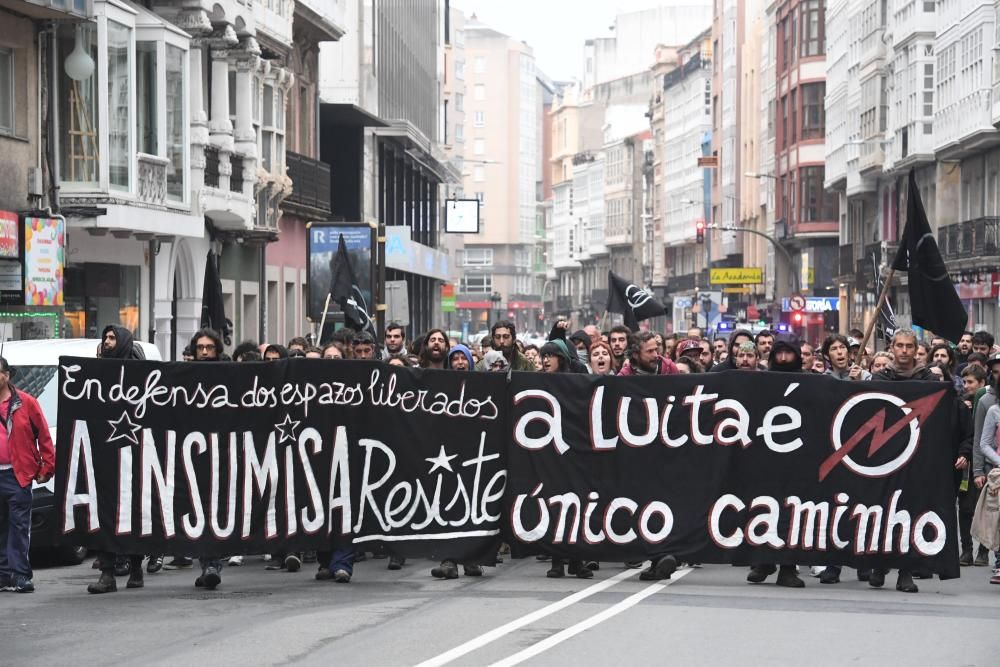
[(26, 455)]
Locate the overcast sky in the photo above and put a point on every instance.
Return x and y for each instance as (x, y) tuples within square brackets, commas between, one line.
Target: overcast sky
[(555, 29)]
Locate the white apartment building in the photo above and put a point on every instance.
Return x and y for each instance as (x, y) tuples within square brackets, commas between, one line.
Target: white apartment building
[(912, 85)]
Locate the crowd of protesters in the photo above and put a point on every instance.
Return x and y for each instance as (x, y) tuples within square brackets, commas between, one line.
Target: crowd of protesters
[(972, 367)]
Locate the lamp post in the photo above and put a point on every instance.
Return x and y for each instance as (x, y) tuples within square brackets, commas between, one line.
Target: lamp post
[(495, 299), (795, 280)]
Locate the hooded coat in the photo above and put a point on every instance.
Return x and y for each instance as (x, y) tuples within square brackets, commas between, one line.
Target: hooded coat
[(464, 350), (125, 348), (792, 366), (729, 363)]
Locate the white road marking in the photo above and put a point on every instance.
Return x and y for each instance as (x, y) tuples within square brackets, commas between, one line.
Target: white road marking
[(482, 640), (574, 630)]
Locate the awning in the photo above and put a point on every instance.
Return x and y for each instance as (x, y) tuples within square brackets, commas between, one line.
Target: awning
[(348, 115)]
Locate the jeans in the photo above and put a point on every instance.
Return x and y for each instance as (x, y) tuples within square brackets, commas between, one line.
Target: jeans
[(15, 526), (343, 559), (213, 561)]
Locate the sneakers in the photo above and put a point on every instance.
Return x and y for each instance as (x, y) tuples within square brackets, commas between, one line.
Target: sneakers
[(816, 570), (106, 584), (473, 570), (342, 577), (995, 579), (904, 583), (556, 572), (235, 561), (982, 557), (396, 563), (324, 574), (122, 566), (179, 563), (446, 570), (293, 562), (23, 585), (876, 579), (634, 564), (211, 579), (758, 573), (155, 564), (965, 560)]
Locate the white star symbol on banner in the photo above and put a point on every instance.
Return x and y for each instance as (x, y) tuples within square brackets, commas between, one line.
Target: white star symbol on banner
[(442, 460), (124, 428), (287, 429)]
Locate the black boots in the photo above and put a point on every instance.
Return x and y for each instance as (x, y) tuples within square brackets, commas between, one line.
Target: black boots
[(106, 584)]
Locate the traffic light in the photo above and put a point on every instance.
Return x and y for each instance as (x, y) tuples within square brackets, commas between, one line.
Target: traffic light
[(797, 318), (699, 231)]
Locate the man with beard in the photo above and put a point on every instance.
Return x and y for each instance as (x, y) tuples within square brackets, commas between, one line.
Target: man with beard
[(765, 342), (618, 339), (395, 339), (503, 335), (784, 358), (434, 353), (735, 340), (964, 349), (905, 367), (117, 343), (644, 357)]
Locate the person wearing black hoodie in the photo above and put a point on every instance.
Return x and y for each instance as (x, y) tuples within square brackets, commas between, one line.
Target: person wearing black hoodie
[(117, 343), (735, 338), (784, 358)]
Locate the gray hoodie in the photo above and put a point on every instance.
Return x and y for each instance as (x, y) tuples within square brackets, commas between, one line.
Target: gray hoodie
[(980, 466)]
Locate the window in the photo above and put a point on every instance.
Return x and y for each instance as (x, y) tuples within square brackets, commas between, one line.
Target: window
[(459, 102), (460, 70), (817, 204), (481, 196), (478, 283), (119, 115), (478, 174), (793, 126), (176, 121), (6, 91), (479, 92), (479, 119), (145, 95), (813, 113), (459, 133), (478, 257), (813, 30), (479, 146)]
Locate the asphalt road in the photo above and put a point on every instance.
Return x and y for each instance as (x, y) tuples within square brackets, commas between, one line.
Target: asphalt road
[(513, 615)]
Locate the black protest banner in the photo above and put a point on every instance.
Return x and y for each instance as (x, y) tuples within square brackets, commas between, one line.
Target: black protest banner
[(736, 467), (224, 458)]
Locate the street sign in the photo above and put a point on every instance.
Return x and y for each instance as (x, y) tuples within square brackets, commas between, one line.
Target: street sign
[(448, 298), (797, 302), (739, 275), (736, 290)]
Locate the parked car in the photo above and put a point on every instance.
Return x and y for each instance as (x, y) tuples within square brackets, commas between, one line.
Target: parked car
[(36, 365)]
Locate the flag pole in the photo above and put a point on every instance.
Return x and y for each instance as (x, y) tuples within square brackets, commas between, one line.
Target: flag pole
[(322, 322), (878, 309)]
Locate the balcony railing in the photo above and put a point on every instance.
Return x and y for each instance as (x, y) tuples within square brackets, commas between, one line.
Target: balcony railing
[(152, 185), (846, 263), (970, 238), (310, 182)]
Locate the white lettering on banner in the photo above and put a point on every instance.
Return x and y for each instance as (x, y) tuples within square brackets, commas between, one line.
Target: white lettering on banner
[(731, 422), (81, 457), (305, 395), (568, 526), (408, 503), (810, 525)]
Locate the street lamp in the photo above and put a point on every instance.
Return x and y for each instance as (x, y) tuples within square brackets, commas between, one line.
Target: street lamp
[(495, 299)]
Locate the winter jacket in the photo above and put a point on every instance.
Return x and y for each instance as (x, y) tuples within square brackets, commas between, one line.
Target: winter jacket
[(667, 367), (846, 374), (28, 438), (988, 439), (520, 363), (979, 465), (986, 521), (126, 348)]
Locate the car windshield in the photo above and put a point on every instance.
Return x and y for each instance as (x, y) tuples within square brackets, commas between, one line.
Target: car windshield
[(42, 383)]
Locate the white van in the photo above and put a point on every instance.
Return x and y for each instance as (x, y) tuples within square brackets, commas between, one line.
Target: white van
[(35, 366)]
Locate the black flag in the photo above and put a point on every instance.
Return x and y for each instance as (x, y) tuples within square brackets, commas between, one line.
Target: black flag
[(213, 313), (345, 292), (934, 303), (632, 301)]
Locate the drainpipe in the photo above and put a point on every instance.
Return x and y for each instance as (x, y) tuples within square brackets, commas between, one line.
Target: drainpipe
[(153, 252)]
